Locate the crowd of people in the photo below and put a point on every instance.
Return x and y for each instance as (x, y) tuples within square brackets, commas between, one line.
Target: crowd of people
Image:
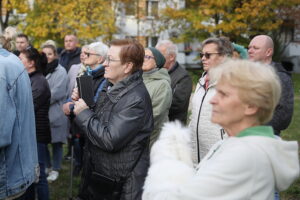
[(125, 143)]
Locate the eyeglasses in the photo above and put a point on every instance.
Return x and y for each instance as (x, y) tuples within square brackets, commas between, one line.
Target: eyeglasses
[(148, 57), (108, 59), (207, 55), (88, 54)]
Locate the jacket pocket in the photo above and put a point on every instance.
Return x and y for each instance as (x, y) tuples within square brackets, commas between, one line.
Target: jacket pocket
[(101, 185)]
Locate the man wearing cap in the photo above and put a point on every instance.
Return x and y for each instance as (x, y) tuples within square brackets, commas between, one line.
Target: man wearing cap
[(158, 84)]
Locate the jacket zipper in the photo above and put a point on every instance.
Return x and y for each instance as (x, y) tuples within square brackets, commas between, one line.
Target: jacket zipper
[(197, 134)]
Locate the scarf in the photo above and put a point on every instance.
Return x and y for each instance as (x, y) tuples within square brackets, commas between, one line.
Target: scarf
[(51, 67)]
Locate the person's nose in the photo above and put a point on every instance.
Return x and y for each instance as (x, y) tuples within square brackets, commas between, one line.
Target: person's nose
[(105, 64), (213, 100)]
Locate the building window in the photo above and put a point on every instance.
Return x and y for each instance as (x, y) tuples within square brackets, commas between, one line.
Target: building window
[(151, 41), (130, 8), (152, 8)]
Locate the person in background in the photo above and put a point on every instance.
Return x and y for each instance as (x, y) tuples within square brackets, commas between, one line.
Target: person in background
[(58, 81), (158, 84), (250, 164), (10, 34), (18, 146), (93, 58), (117, 130), (22, 43), (239, 52), (205, 133), (75, 71), (5, 43), (181, 82), (71, 53), (34, 63), (261, 49)]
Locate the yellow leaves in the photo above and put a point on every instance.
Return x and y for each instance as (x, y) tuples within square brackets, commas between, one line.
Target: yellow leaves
[(234, 18), (87, 18), (21, 6)]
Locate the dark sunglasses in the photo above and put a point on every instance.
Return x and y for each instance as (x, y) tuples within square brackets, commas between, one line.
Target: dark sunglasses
[(207, 55), (88, 54)]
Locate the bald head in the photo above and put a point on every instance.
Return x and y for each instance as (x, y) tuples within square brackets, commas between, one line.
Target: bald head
[(261, 49)]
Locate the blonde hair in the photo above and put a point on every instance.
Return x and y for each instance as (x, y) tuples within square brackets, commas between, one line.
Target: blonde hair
[(257, 84), (49, 42), (10, 33)]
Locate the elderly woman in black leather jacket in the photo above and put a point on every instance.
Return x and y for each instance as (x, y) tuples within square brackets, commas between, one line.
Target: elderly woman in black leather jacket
[(118, 130)]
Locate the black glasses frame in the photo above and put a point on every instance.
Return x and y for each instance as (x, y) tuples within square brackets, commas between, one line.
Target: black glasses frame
[(88, 54), (207, 55)]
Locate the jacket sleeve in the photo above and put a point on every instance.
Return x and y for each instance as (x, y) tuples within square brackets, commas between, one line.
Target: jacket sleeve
[(121, 127), (181, 94), (59, 85), (7, 113), (284, 110)]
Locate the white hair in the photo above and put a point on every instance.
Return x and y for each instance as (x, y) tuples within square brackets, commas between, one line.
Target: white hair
[(169, 45), (99, 47)]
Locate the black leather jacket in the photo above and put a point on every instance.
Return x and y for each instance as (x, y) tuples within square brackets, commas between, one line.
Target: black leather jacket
[(118, 136)]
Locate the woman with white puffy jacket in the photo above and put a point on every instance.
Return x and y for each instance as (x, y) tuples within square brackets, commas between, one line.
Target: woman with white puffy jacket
[(252, 163)]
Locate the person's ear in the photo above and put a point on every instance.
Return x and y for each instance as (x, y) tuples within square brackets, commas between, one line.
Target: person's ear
[(128, 68), (172, 57), (101, 60), (31, 63), (251, 110), (269, 52)]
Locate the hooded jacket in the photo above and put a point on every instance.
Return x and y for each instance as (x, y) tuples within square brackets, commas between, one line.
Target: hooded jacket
[(251, 165), (158, 84)]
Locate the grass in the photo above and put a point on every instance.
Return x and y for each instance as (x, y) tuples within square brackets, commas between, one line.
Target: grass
[(293, 133), (59, 190)]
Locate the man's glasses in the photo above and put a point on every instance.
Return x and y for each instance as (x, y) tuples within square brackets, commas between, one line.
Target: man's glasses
[(88, 54), (207, 55), (148, 57)]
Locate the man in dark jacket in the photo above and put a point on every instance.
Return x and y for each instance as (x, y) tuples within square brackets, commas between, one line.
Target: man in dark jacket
[(117, 133), (181, 82), (261, 49), (71, 54)]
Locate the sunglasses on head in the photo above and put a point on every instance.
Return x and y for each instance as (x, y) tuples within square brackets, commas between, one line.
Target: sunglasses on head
[(207, 55)]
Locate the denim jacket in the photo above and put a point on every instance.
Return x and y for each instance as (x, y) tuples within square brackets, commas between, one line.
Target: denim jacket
[(18, 148)]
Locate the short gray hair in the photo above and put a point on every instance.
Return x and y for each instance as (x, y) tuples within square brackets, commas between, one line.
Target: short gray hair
[(99, 47), (257, 84), (169, 45), (224, 46)]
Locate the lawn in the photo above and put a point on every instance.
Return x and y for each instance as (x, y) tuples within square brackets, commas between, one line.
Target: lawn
[(59, 190)]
